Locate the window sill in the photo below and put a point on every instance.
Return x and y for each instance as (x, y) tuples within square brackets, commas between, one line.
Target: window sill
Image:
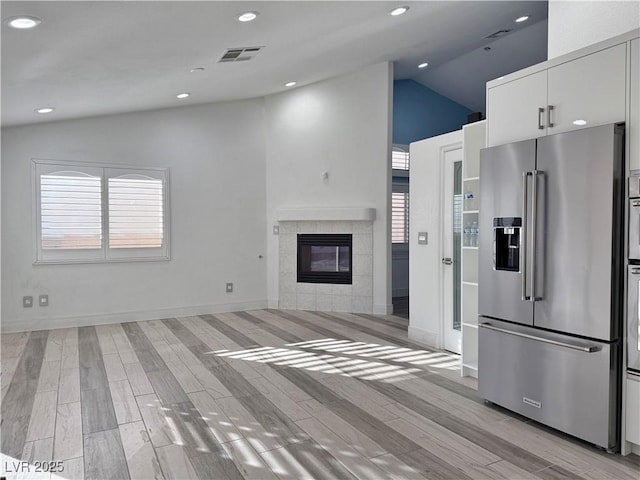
[(95, 261)]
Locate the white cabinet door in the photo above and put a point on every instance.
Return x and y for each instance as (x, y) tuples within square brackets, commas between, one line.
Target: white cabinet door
[(634, 107), (512, 110), (588, 91)]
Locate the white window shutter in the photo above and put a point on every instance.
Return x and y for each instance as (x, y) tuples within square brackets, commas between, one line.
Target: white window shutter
[(400, 217), (70, 211), (399, 159), (136, 206)]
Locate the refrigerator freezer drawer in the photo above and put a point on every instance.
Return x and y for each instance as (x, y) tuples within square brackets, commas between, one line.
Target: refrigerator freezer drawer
[(563, 382)]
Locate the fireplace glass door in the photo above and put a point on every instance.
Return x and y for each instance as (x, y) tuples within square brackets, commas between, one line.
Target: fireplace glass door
[(324, 258)]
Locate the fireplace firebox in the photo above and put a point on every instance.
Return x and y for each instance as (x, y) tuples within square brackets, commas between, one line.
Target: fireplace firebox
[(324, 258)]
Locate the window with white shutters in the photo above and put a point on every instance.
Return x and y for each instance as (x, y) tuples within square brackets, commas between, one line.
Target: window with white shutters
[(399, 217), (399, 158), (400, 196), (93, 213)]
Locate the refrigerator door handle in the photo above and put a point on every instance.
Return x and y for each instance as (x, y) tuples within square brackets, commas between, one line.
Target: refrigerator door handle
[(523, 236), (534, 238), (581, 347)]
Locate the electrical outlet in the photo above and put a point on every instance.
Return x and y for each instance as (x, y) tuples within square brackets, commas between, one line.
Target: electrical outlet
[(229, 287), (27, 302), (276, 229), (43, 300)]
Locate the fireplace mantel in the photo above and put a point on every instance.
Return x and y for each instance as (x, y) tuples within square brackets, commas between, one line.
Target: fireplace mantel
[(319, 214)]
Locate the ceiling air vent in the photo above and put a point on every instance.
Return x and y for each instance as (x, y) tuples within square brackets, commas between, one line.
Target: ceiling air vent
[(499, 33), (239, 54)]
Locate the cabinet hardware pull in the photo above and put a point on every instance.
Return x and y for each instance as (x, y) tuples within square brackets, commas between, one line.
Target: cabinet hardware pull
[(549, 110), (540, 112)]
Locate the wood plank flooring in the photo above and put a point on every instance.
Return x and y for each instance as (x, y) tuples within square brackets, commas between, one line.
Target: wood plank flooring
[(265, 394)]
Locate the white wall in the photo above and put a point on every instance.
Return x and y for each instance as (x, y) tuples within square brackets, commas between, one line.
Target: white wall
[(217, 166), (342, 126), (575, 24), (425, 215)]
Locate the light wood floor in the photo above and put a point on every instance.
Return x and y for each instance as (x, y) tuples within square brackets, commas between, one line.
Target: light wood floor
[(265, 394)]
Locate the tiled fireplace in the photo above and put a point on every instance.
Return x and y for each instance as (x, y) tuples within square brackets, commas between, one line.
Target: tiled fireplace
[(339, 296)]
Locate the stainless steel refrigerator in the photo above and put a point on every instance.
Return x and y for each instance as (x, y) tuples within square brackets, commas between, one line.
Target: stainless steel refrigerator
[(551, 280)]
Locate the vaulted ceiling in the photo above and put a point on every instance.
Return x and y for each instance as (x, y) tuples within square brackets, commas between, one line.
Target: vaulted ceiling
[(91, 58)]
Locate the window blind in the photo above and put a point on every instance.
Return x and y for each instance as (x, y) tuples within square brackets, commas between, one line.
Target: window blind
[(399, 217), (71, 211), (99, 213), (399, 159), (136, 212)]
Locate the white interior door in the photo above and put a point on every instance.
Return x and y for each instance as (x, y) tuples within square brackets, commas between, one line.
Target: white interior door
[(452, 249)]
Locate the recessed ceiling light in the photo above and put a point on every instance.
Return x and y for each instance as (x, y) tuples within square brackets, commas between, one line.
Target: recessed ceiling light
[(247, 16), (44, 110), (423, 65), (398, 11), (183, 95), (523, 18), (290, 84), (579, 122), (197, 70), (22, 22)]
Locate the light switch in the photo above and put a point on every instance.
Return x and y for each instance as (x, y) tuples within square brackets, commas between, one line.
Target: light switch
[(422, 238)]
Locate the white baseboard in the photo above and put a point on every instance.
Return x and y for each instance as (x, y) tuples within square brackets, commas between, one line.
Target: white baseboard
[(469, 371), (272, 303), (383, 309), (635, 448), (430, 339), (48, 323)]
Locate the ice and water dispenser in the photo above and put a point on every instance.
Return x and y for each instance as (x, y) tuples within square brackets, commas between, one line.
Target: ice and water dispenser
[(506, 243)]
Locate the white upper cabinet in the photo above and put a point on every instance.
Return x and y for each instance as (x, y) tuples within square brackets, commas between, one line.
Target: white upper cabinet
[(634, 107), (513, 109), (586, 91)]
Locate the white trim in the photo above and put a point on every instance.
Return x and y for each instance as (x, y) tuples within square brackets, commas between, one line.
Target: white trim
[(469, 371), (383, 309), (431, 339), (313, 214), (25, 325)]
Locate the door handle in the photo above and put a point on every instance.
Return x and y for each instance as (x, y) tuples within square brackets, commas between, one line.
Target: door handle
[(534, 239), (523, 235), (540, 112), (581, 347), (447, 261), (549, 110)]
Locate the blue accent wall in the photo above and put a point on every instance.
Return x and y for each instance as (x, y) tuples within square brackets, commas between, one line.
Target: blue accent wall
[(419, 112)]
